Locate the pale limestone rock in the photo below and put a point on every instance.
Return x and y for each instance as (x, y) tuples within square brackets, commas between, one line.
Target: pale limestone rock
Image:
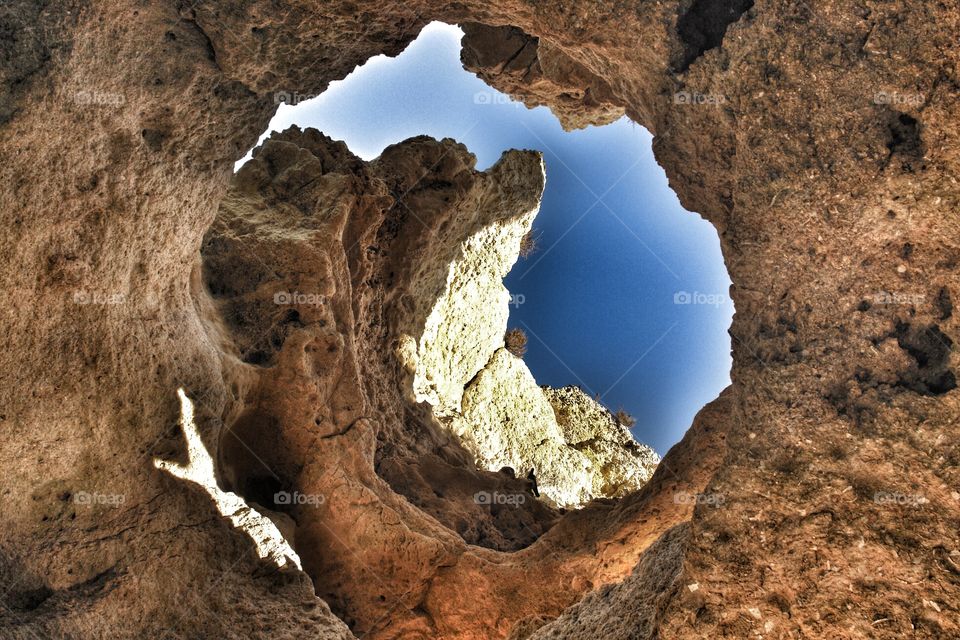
[(508, 422), (620, 463), (485, 395), (467, 323)]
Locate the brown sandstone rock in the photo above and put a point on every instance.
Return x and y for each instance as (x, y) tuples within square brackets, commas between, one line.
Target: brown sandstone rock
[(819, 138)]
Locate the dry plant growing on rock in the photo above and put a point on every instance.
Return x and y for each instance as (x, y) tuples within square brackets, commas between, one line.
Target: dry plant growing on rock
[(529, 244), (516, 341), (624, 418)]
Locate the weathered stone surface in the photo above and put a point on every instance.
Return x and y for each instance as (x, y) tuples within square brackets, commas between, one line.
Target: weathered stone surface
[(577, 450), (821, 140), (508, 422), (479, 391), (271, 545), (628, 609), (539, 74), (466, 323), (307, 436), (619, 463)]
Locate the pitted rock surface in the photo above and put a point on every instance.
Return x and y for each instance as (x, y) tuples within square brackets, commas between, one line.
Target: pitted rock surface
[(819, 138)]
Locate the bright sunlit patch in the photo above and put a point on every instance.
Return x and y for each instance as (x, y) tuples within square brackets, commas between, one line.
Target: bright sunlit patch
[(271, 545)]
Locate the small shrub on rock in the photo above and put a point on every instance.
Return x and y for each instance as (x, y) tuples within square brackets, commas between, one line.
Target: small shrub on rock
[(528, 244), (624, 418), (516, 342)]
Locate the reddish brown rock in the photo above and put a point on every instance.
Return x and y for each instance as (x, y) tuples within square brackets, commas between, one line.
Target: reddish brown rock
[(821, 141), (539, 74)]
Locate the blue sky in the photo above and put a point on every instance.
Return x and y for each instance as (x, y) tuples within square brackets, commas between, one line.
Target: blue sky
[(603, 298)]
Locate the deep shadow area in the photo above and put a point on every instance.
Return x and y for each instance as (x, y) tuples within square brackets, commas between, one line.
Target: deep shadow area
[(704, 24)]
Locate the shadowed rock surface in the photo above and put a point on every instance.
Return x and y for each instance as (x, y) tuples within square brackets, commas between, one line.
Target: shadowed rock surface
[(817, 497)]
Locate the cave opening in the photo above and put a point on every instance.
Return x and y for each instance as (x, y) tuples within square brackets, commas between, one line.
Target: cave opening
[(621, 295)]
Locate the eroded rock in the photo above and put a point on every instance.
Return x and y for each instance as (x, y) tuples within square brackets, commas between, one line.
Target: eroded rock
[(619, 463), (820, 139), (539, 74), (508, 422), (481, 392)]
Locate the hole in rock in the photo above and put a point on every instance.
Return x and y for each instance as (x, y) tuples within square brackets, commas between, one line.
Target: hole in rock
[(619, 294)]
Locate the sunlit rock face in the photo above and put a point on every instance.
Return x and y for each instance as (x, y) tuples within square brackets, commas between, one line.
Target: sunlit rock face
[(269, 541), (538, 73), (574, 445), (576, 449), (467, 322), (508, 422), (485, 395), (619, 464)]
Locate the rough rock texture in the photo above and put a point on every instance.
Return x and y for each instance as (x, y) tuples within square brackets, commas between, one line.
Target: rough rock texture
[(321, 347), (576, 448), (465, 301), (620, 463), (271, 544), (538, 73), (638, 598), (819, 138), (452, 346), (508, 422)]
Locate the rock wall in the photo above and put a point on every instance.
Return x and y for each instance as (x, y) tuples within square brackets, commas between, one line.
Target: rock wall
[(820, 492), (540, 74), (620, 464), (574, 445), (483, 394), (508, 421), (321, 346)]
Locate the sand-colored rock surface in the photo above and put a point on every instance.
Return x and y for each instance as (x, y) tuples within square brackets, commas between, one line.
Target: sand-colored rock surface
[(466, 324), (818, 497), (312, 429), (538, 73), (484, 395), (508, 421), (618, 462)]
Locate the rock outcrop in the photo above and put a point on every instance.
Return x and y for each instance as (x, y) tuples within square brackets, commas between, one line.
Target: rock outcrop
[(540, 74), (296, 262), (508, 422), (576, 448), (485, 395), (817, 497), (620, 464)]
